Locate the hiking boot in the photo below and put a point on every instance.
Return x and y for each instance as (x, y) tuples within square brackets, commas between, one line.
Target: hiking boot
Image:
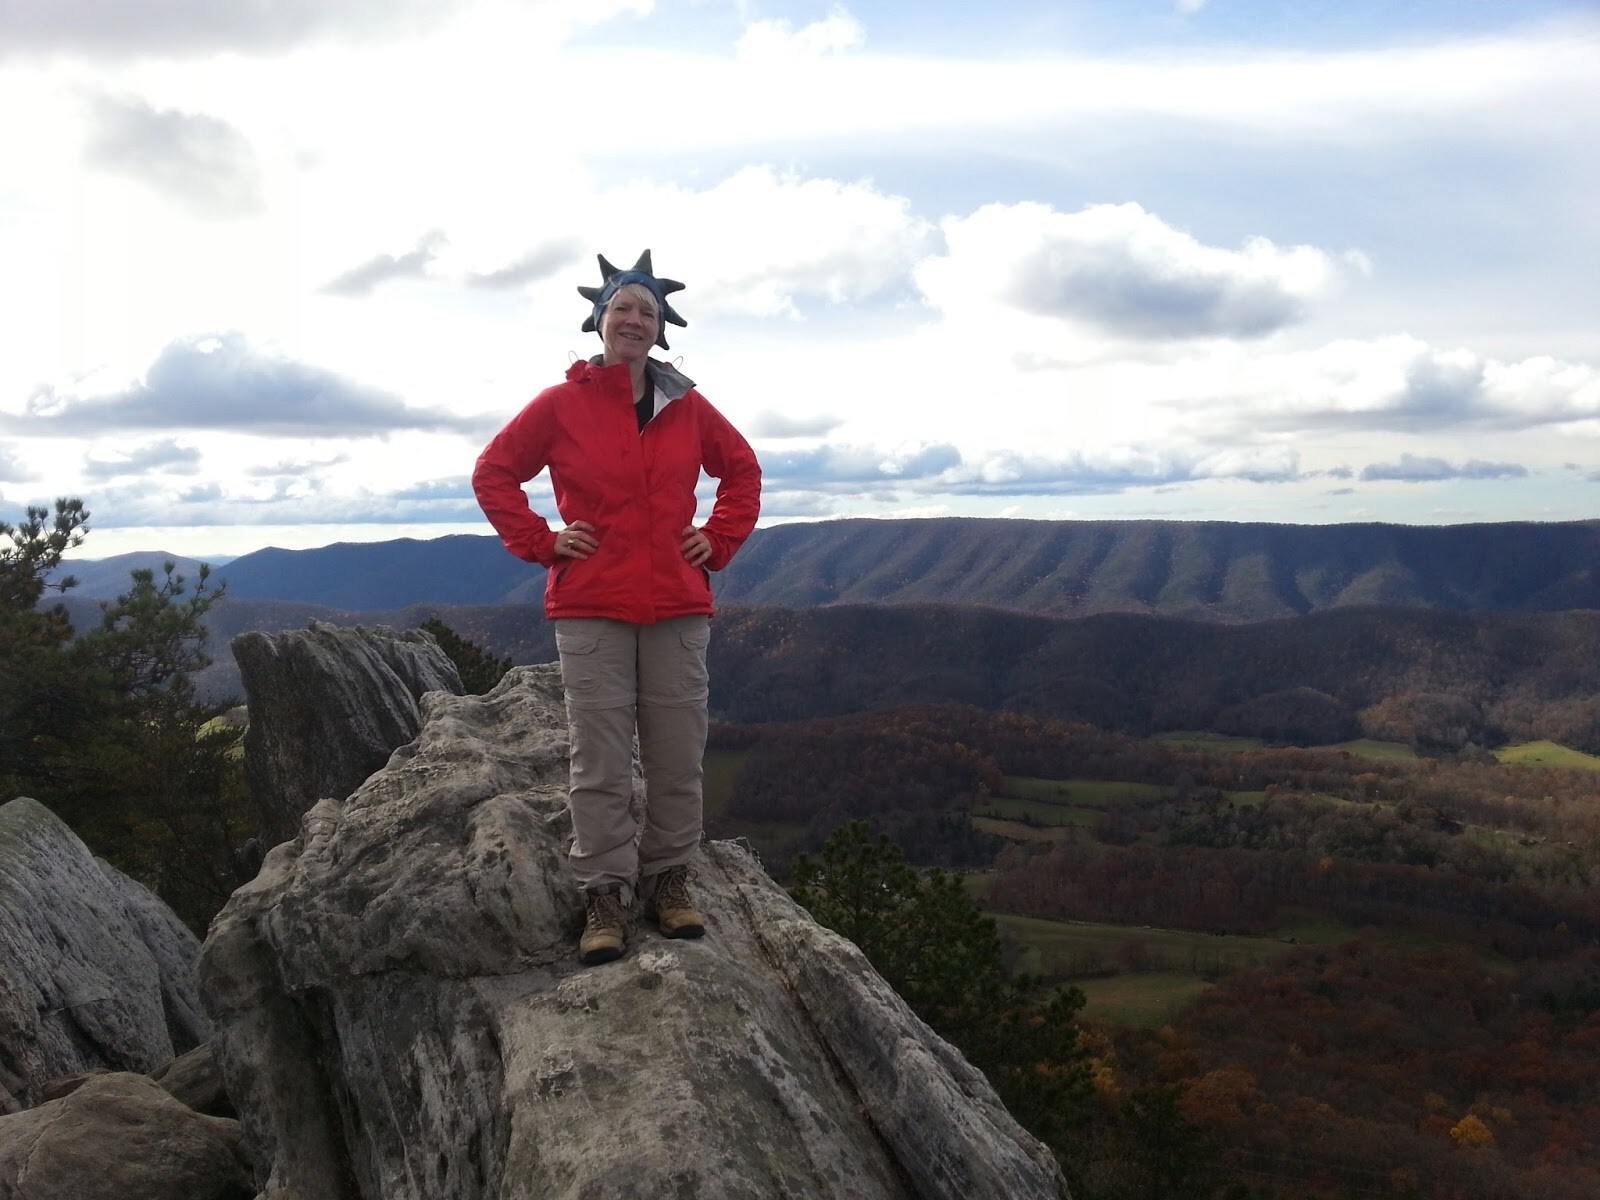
[(669, 904), (605, 926)]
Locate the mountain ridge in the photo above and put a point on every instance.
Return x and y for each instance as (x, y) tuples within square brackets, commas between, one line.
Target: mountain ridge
[(1205, 570)]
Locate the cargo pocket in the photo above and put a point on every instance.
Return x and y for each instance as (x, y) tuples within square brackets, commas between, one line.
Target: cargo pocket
[(689, 682), (585, 677)]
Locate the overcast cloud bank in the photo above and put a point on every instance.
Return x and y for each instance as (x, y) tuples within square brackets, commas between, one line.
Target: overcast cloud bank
[(289, 265)]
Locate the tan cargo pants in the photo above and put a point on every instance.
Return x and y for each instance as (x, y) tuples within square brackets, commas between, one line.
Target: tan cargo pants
[(621, 678)]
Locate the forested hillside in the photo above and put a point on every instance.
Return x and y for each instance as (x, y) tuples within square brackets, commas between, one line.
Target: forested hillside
[(1312, 974), (1437, 678), (1203, 570), (1440, 680), (1199, 570)]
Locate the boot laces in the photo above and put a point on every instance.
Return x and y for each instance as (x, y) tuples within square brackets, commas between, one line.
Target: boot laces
[(605, 910), (672, 888)]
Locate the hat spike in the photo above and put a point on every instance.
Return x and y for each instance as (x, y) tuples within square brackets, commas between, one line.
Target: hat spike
[(643, 273)]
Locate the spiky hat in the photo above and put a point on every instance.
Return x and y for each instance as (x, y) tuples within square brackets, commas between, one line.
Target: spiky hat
[(641, 273)]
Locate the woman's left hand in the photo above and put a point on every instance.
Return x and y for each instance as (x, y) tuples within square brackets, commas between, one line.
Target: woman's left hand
[(696, 546)]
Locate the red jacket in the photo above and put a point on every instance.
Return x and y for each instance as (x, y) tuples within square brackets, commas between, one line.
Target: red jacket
[(636, 488)]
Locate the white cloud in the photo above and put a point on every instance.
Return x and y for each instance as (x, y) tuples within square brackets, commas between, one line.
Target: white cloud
[(166, 457), (199, 26), (943, 469), (1121, 271), (221, 381), (961, 280), (362, 278), (1104, 107), (1402, 384), (1412, 468), (770, 39), (197, 160), (762, 242), (121, 29), (782, 426), (12, 468)]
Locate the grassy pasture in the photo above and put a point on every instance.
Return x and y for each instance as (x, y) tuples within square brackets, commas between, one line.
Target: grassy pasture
[(1547, 754), (1019, 812), (1087, 793), (1071, 949), (1311, 927), (1146, 1001), (1023, 804), (1221, 743), (1380, 751), (1016, 831), (1199, 739)]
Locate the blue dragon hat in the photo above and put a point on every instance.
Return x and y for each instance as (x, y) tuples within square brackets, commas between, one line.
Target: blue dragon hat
[(641, 273)]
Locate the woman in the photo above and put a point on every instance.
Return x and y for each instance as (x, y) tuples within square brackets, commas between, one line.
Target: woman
[(625, 439)]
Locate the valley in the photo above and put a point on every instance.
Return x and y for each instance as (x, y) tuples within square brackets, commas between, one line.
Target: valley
[(1380, 942)]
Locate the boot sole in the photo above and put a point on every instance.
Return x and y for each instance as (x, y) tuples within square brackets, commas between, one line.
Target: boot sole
[(603, 955), (684, 931)]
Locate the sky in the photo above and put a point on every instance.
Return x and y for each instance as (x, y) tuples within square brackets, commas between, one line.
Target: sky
[(271, 274)]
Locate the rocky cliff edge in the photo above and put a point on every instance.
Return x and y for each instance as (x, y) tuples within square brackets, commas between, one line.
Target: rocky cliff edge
[(399, 1013)]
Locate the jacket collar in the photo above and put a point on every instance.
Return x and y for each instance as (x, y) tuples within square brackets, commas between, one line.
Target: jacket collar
[(665, 378)]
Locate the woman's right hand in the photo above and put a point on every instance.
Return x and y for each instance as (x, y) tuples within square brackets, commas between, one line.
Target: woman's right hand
[(577, 540)]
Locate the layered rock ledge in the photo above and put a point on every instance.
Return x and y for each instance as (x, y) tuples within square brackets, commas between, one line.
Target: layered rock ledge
[(399, 1014)]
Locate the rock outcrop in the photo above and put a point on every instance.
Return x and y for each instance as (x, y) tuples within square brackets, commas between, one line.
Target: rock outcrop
[(327, 706), (194, 1079), (399, 1013), (121, 1137), (96, 973)]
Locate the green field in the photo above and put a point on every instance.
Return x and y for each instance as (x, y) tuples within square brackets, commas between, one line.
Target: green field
[(1072, 949), (1090, 793), (1199, 739), (1040, 810), (1547, 754), (1024, 812), (1018, 832), (1142, 977), (1382, 751), (1146, 1001), (1030, 809), (1172, 965), (1193, 739)]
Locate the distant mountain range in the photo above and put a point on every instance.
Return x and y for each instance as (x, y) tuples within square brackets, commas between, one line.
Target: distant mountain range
[(1210, 571), (1297, 633), (107, 578)]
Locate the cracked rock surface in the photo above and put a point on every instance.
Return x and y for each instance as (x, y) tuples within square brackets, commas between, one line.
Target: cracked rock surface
[(399, 1013), (96, 973), (327, 705)]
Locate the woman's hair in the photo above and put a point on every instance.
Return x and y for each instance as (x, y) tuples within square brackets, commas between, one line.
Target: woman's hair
[(639, 293)]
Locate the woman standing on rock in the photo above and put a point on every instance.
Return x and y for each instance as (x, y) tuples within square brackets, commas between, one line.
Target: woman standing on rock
[(626, 438)]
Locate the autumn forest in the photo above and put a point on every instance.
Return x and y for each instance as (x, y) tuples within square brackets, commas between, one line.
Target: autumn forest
[(1385, 967)]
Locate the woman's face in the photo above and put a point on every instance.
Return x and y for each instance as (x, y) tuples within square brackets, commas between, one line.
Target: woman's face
[(629, 326)]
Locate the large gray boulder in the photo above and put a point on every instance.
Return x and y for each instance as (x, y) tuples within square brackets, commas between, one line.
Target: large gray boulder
[(121, 1137), (399, 1013), (96, 973), (327, 706)]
